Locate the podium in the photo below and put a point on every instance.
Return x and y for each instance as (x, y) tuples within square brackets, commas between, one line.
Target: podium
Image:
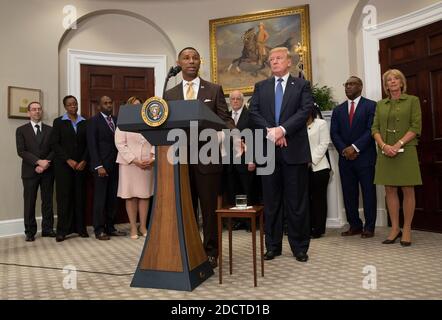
[(173, 256)]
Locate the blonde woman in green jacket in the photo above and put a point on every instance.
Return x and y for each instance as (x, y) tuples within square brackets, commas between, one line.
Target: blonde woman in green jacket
[(396, 126)]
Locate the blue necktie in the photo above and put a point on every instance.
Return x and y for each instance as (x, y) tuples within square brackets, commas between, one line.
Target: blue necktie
[(279, 93)]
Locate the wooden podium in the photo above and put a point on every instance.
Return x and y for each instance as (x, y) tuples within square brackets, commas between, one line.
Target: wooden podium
[(173, 256)]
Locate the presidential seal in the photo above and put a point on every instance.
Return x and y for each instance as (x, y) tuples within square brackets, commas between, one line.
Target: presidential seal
[(155, 111)]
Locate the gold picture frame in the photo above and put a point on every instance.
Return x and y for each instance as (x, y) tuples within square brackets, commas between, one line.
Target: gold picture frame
[(239, 54), (18, 100)]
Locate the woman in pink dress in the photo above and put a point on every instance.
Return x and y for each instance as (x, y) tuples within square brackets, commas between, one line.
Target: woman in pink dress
[(136, 157)]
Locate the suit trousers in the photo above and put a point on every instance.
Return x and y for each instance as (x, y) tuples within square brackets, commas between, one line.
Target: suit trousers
[(351, 177), (30, 187), (318, 200), (206, 188), (286, 192), (105, 201), (71, 198)]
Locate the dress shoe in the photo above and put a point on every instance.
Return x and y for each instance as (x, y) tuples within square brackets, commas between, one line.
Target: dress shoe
[(84, 234), (117, 233), (315, 236), (367, 234), (102, 236), (388, 241), (405, 243), (134, 236), (29, 238), (301, 256), (270, 255), (49, 233), (60, 238), (213, 261), (351, 232)]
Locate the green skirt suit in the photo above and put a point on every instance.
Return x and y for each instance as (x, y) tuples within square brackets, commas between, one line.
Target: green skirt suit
[(393, 118)]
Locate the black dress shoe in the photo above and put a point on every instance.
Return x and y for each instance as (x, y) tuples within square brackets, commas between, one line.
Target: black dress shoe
[(84, 234), (29, 238), (367, 234), (117, 233), (270, 255), (388, 241), (60, 238), (102, 236), (301, 257), (316, 236), (49, 233), (213, 261), (351, 232)]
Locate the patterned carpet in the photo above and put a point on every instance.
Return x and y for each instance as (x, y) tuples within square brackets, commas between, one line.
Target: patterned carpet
[(335, 270)]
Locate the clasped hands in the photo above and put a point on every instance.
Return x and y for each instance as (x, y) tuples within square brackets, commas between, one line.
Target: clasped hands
[(276, 135), (391, 151), (144, 164), (42, 165), (350, 153), (77, 166)]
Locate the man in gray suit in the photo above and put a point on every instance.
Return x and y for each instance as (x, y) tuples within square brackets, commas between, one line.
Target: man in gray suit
[(34, 149)]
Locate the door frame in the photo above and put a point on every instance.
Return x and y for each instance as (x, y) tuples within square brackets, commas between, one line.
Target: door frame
[(76, 58), (372, 35)]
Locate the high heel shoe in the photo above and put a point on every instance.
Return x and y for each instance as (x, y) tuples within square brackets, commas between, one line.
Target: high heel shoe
[(134, 237), (405, 243), (388, 241)]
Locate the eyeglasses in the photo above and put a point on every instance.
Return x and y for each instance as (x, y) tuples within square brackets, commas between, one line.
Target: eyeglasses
[(350, 84)]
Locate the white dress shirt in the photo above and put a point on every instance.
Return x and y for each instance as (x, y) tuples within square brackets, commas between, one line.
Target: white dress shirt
[(195, 84), (356, 101), (238, 114), (35, 129)]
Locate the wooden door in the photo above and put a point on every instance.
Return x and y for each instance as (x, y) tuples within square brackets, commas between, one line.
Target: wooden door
[(418, 54), (119, 83)]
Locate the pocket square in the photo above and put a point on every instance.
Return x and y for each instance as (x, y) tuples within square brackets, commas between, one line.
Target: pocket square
[(207, 100)]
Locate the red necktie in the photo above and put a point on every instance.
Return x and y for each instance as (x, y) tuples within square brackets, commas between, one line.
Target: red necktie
[(110, 123), (352, 112)]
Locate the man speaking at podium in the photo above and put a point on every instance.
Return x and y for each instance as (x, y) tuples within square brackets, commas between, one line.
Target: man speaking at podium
[(205, 180)]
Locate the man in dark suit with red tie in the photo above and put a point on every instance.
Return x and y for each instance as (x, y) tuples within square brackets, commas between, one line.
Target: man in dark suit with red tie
[(205, 179), (103, 154), (33, 146), (280, 106), (350, 132)]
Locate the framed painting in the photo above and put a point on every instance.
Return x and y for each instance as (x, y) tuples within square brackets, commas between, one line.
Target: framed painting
[(240, 45), (18, 100)]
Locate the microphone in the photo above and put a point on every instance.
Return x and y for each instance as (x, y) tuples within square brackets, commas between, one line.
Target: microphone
[(173, 71)]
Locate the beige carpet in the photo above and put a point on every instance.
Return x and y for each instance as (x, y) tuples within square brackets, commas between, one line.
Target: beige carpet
[(335, 270)]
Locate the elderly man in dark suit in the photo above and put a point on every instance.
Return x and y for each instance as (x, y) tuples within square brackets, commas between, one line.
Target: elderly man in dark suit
[(239, 176), (34, 148), (350, 131), (205, 180), (103, 153), (281, 105)]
